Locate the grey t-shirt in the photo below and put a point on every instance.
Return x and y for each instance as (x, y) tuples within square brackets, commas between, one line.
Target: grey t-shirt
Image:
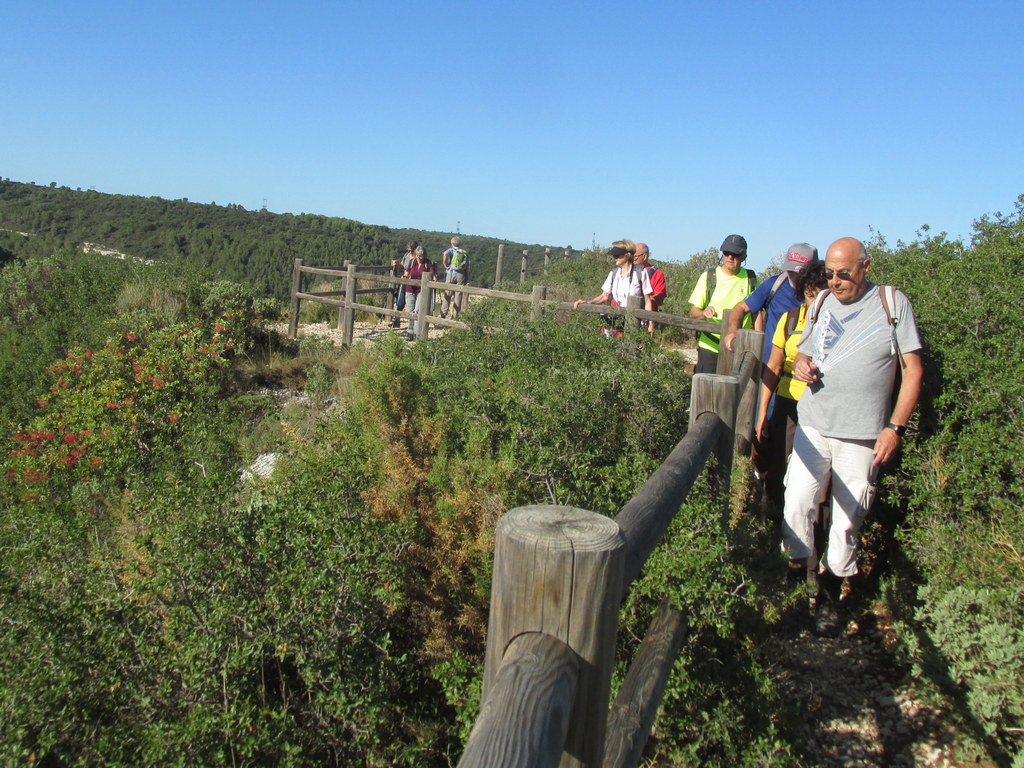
[(853, 348)]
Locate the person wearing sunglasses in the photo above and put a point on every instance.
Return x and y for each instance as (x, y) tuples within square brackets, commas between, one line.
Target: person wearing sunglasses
[(625, 279), (717, 291), (858, 338)]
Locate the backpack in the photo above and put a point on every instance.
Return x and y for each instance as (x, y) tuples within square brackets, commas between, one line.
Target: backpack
[(458, 258)]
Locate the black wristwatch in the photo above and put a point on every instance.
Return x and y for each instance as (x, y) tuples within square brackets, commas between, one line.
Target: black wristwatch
[(899, 429)]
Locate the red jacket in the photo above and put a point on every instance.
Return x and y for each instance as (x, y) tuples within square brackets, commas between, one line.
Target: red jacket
[(415, 272)]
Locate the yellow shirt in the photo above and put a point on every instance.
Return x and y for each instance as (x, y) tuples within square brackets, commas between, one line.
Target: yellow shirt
[(788, 386)]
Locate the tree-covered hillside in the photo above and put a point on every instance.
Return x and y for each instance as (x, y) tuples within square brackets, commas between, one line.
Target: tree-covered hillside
[(257, 247)]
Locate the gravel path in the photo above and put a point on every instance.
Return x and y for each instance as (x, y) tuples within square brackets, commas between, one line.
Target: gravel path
[(858, 710)]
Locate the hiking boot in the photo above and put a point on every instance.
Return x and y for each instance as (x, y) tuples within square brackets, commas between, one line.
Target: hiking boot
[(826, 619)]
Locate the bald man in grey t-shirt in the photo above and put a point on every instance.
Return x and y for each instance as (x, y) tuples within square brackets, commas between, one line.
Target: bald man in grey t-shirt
[(848, 355)]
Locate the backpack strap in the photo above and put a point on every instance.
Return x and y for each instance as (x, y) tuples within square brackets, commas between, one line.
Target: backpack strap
[(891, 321), (791, 320), (817, 306), (779, 282), (709, 284)]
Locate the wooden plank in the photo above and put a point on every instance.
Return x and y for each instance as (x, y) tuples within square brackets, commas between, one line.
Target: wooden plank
[(525, 718), (646, 516), (636, 705)]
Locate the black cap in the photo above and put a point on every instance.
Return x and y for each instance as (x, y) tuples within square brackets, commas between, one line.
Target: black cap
[(734, 244)]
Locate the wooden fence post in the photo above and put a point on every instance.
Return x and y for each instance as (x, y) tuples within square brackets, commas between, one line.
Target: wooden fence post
[(538, 294), (348, 314), (341, 310), (293, 308), (558, 570), (424, 305), (522, 269), (723, 363), (633, 303), (547, 258), (720, 395), (752, 341), (501, 263)]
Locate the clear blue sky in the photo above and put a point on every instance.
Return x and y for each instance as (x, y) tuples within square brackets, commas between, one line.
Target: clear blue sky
[(675, 123)]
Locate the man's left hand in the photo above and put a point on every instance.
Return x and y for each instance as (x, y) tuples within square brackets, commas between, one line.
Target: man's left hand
[(886, 445)]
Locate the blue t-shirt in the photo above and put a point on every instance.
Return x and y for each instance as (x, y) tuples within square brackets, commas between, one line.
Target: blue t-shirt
[(784, 300)]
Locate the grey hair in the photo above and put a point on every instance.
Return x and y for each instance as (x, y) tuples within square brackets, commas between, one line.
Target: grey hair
[(456, 241), (420, 252)]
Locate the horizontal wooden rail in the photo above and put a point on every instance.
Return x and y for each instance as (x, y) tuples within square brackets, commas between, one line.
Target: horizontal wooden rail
[(533, 694), (636, 705), (324, 297), (646, 516)]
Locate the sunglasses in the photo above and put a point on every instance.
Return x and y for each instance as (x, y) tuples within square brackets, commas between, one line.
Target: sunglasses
[(842, 274), (733, 255)]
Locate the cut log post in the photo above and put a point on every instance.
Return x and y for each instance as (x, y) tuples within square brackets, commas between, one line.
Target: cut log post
[(293, 308), (348, 314), (500, 264), (538, 294), (424, 306), (718, 394), (747, 340), (341, 310), (558, 570), (522, 269)]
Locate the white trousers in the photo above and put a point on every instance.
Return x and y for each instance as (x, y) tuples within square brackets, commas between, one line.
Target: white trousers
[(853, 491)]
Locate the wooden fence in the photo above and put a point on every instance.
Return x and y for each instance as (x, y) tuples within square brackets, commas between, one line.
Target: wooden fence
[(347, 302), (561, 573)]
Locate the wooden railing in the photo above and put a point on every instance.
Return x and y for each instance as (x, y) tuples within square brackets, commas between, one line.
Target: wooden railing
[(560, 575), (352, 275)]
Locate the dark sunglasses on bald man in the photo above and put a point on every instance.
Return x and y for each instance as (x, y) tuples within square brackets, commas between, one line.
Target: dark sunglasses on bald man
[(842, 274)]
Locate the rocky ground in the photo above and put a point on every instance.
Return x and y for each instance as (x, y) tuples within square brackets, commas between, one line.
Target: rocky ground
[(859, 710)]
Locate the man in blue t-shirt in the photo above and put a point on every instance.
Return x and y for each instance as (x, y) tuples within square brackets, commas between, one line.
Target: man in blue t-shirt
[(775, 294)]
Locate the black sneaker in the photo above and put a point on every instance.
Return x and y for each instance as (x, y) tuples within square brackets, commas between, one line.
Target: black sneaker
[(826, 619)]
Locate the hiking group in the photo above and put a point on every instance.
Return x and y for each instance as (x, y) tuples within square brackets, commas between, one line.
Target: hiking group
[(831, 408), (412, 266), (841, 376)]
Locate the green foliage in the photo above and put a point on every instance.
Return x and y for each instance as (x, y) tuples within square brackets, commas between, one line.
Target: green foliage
[(981, 647), (962, 474), (46, 307), (721, 704)]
